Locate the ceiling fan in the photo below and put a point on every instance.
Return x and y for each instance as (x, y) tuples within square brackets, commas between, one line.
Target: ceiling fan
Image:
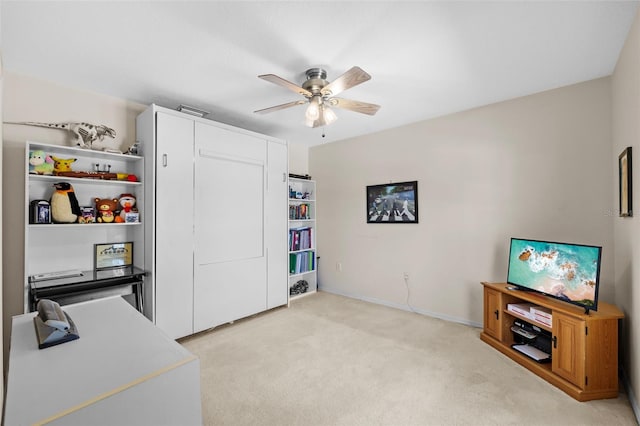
[(319, 94)]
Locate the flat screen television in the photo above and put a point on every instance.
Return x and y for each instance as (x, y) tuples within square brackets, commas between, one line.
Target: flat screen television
[(568, 272)]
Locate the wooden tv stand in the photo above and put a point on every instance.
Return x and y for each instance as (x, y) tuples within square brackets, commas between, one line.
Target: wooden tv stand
[(584, 356)]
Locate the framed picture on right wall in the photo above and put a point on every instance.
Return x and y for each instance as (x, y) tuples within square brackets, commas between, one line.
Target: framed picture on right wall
[(624, 176)]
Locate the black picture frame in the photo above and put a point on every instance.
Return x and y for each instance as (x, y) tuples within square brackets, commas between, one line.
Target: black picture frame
[(624, 188), (112, 255), (392, 202)]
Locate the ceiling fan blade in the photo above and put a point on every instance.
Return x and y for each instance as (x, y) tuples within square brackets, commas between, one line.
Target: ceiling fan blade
[(279, 107), (362, 107), (353, 77), (286, 84)]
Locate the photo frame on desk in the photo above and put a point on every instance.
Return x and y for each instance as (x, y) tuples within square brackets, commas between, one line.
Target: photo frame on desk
[(393, 202), (112, 255)]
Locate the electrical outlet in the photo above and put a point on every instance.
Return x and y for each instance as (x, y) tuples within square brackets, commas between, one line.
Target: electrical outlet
[(339, 266), (406, 275)]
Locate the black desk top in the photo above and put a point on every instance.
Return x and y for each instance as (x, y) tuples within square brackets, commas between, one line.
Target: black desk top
[(92, 276)]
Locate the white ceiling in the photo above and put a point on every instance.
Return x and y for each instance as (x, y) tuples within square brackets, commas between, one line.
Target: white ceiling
[(426, 59)]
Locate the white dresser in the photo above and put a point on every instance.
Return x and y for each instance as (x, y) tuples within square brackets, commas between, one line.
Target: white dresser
[(122, 370)]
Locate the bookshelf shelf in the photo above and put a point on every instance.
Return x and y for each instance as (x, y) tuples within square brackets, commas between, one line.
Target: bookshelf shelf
[(303, 278)]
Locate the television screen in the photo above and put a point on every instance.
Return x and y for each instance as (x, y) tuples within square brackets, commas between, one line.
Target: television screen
[(569, 272)]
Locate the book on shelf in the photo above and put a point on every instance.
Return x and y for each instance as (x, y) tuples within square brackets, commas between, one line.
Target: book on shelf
[(300, 239), (523, 309), (301, 262), (299, 211)]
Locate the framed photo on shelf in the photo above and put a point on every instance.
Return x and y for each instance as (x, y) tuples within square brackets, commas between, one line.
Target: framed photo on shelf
[(112, 255), (624, 176), (393, 202)]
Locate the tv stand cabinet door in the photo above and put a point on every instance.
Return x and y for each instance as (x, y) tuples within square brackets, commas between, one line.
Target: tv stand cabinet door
[(493, 313), (568, 348)]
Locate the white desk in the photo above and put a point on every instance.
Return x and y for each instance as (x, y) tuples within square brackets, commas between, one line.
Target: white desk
[(122, 371)]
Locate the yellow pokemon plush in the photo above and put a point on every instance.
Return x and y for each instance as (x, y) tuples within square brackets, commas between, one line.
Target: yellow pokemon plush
[(62, 164)]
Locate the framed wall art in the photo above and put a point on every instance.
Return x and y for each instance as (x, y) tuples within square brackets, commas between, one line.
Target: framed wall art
[(624, 176), (112, 255), (393, 203)]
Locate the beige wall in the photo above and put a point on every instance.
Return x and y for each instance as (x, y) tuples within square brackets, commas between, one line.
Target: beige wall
[(29, 99), (533, 167), (625, 95), (298, 158)]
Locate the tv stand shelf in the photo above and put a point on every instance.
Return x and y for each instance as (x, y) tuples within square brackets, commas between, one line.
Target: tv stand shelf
[(584, 354)]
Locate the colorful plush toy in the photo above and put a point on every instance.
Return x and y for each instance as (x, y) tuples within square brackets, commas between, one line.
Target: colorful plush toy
[(62, 164), (126, 201), (40, 163), (64, 204), (105, 209)]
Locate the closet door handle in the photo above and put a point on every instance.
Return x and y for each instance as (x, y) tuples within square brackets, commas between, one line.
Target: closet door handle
[(284, 177), (164, 160)]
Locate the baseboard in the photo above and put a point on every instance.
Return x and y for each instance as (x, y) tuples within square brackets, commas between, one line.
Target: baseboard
[(630, 394), (408, 308)]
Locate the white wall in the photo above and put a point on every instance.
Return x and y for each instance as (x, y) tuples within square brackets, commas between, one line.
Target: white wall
[(29, 99), (626, 132), (533, 167)]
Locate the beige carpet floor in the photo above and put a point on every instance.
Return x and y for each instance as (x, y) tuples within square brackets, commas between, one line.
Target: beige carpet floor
[(331, 360)]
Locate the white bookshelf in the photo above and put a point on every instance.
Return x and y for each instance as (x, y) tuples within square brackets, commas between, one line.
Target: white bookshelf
[(51, 247), (303, 259)]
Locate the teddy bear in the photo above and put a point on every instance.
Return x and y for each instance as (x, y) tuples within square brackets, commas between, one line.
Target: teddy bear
[(127, 202), (105, 209)]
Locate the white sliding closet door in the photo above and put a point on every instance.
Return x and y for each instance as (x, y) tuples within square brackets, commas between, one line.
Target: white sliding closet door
[(230, 266), (174, 225)]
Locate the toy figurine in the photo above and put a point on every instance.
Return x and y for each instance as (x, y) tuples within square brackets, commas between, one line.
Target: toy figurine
[(105, 209), (40, 163), (64, 204), (127, 201), (62, 164)]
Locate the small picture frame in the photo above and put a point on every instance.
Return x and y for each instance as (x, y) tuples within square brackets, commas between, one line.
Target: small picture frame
[(112, 255), (393, 203), (40, 212), (624, 178)]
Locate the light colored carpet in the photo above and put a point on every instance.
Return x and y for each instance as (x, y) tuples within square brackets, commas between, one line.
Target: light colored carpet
[(331, 360)]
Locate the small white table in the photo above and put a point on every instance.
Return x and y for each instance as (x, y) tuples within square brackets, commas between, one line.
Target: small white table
[(122, 371)]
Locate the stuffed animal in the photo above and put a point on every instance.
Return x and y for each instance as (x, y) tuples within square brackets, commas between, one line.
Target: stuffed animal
[(105, 209), (64, 204), (126, 201), (62, 164), (40, 163)]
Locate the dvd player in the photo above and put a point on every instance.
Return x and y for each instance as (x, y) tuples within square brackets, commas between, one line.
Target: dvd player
[(533, 353)]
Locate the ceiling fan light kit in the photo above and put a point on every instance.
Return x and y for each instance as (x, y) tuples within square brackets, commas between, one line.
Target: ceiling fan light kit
[(319, 92)]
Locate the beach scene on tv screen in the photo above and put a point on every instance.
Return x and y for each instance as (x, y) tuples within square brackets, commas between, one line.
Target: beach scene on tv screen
[(565, 271)]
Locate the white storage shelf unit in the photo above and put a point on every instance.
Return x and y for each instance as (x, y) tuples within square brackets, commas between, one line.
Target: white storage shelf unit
[(303, 260), (57, 247)]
